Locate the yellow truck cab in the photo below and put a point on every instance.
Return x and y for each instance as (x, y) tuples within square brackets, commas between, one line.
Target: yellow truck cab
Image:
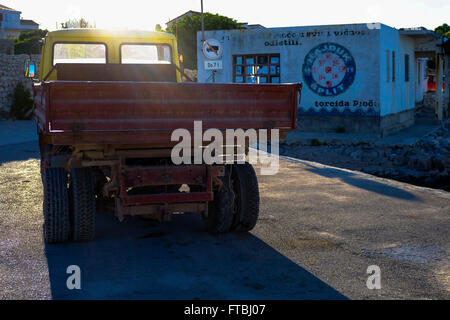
[(95, 46)]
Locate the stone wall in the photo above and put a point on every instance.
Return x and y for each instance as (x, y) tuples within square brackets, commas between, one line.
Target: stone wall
[(382, 126), (333, 124), (11, 73), (396, 122), (429, 100)]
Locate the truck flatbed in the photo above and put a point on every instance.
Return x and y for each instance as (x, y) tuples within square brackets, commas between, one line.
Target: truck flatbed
[(86, 112)]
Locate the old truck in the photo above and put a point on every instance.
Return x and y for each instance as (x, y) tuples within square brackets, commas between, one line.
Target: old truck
[(106, 104)]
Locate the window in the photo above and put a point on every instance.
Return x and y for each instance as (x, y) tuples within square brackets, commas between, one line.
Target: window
[(388, 65), (145, 54), (79, 53), (406, 67), (393, 66), (260, 68), (419, 71)]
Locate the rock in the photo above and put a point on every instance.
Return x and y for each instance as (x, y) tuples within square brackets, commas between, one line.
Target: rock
[(437, 179), (399, 160), (356, 155), (389, 172), (348, 151), (445, 143), (369, 155), (420, 162), (430, 142), (392, 156), (375, 170), (387, 152), (443, 178), (417, 176), (409, 152), (341, 150), (439, 163)]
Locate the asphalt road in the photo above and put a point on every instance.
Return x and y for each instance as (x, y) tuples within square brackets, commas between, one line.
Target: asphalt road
[(319, 231)]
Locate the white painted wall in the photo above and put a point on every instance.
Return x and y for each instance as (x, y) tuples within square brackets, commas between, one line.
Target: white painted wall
[(360, 97), (368, 95), (399, 95), (421, 78)]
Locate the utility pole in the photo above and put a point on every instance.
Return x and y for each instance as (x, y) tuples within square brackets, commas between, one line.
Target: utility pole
[(213, 75), (203, 24), (439, 83)]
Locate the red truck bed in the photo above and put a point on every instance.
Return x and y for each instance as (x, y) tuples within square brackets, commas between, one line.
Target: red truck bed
[(87, 112)]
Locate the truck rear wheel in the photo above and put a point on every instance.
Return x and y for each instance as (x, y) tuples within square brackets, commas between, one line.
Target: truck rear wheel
[(220, 211), (246, 204), (82, 196), (56, 206)]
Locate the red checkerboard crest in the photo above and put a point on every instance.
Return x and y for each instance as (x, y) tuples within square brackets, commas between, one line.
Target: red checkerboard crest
[(329, 69)]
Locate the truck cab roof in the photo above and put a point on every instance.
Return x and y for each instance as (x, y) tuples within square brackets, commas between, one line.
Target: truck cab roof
[(104, 33)]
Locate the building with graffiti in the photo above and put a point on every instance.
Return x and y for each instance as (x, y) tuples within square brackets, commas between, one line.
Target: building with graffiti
[(360, 77)]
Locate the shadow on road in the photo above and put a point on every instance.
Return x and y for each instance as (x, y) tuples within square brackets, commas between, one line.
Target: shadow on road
[(19, 152), (139, 259), (363, 183)]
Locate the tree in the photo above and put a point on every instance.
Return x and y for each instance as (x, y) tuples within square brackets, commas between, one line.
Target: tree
[(158, 28), (77, 23), (29, 42), (186, 33), (443, 29), (22, 104)]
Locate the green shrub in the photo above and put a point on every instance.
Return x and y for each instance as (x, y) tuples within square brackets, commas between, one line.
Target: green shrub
[(22, 105), (29, 42)]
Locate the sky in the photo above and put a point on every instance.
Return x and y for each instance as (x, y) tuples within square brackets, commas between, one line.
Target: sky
[(135, 14)]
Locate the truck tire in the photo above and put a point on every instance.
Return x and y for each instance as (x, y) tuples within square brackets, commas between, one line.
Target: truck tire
[(220, 211), (82, 198), (246, 206), (56, 206)]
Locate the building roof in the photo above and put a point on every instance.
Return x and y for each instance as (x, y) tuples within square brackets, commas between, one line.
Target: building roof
[(420, 33), (28, 23), (253, 26), (180, 16), (7, 8)]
